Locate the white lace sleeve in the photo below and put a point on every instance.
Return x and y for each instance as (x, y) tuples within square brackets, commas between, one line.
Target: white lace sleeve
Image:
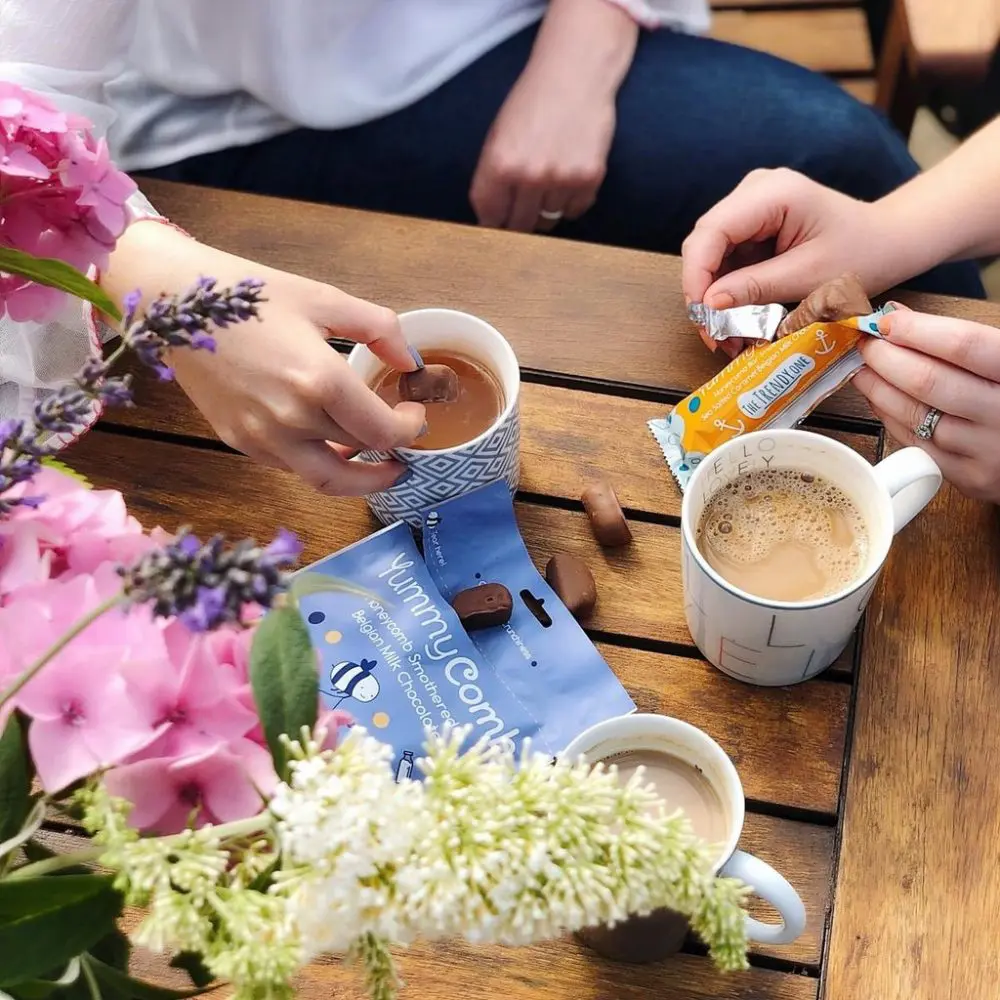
[(67, 50), (691, 16)]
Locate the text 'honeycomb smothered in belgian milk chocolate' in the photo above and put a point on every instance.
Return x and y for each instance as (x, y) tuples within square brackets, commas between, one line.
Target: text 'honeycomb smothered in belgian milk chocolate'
[(572, 580), (485, 606)]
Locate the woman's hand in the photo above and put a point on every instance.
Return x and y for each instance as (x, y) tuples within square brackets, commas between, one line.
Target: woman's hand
[(779, 235), (950, 365), (275, 389), (546, 154)]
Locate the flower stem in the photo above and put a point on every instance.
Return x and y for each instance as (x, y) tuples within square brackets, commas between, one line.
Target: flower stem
[(57, 863), (88, 973), (59, 645)]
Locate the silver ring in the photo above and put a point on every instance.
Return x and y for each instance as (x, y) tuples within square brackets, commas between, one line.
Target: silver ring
[(925, 429), (550, 216)]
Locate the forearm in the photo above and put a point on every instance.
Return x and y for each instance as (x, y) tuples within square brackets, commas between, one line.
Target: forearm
[(950, 212), (588, 42)]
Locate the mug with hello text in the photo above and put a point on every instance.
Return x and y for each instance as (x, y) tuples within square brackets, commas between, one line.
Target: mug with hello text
[(764, 517)]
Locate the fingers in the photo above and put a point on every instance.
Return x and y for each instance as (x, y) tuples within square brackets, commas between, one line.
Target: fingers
[(967, 345), (524, 214), (553, 203), (369, 420), (894, 407), (755, 211), (491, 197), (790, 276), (366, 323), (932, 382), (327, 470)]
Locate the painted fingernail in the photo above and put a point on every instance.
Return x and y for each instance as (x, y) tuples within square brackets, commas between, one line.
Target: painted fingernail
[(423, 431), (415, 354)]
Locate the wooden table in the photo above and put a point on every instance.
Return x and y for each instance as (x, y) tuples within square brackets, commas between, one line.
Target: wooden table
[(875, 788)]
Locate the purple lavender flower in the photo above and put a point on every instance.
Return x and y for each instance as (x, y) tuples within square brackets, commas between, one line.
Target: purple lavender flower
[(184, 321), (208, 584)]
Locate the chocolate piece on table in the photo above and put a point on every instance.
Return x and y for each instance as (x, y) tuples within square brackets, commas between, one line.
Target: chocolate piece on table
[(485, 606), (841, 298), (572, 580), (605, 512), (430, 384)]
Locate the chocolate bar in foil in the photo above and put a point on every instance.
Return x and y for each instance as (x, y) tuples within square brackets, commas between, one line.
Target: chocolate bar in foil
[(749, 322)]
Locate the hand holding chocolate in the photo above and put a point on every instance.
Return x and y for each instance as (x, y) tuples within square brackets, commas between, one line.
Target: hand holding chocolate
[(772, 384), (842, 298)]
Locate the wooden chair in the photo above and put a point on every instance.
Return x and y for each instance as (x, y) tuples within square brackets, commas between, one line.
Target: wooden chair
[(927, 42), (933, 42)]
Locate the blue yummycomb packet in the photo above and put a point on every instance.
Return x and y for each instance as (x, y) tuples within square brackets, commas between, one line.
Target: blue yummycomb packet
[(554, 669), (393, 654)]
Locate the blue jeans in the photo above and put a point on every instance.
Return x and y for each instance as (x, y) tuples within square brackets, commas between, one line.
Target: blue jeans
[(694, 117)]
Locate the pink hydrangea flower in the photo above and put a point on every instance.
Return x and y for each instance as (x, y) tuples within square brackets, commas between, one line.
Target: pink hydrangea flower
[(60, 196), (83, 716), (75, 530), (221, 783), (190, 693)]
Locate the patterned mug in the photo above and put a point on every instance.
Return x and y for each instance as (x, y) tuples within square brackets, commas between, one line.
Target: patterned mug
[(442, 474)]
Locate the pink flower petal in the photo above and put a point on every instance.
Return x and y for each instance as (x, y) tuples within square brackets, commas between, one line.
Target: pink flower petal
[(148, 785)]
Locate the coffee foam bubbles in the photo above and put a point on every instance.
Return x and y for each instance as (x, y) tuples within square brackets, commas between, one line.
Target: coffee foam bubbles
[(759, 515)]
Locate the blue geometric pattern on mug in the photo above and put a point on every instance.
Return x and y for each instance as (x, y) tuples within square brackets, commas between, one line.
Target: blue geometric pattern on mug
[(436, 478)]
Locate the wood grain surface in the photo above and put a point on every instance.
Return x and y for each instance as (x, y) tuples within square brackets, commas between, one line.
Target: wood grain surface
[(917, 890)]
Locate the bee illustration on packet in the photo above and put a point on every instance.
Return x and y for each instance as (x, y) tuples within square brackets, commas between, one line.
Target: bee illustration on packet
[(797, 359)]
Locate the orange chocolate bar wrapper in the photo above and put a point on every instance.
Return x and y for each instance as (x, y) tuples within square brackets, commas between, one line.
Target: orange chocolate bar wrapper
[(769, 385)]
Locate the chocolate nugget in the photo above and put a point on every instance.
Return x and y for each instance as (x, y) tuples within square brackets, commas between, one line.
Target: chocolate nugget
[(485, 606), (842, 298), (572, 580), (605, 513), (430, 384)]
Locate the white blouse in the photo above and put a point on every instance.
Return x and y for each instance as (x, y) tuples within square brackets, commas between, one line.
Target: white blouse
[(176, 78)]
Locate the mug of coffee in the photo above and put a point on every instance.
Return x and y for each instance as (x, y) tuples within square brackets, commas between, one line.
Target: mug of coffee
[(783, 536), (469, 443), (689, 771)]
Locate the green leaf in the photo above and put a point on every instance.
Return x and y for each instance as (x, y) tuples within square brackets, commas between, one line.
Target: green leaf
[(46, 921), (193, 965), (284, 679), (306, 583), (120, 984), (57, 274), (39, 989), (15, 777), (114, 950), (54, 463)]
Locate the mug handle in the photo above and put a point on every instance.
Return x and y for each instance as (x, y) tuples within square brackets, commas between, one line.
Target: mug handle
[(774, 889), (911, 478)]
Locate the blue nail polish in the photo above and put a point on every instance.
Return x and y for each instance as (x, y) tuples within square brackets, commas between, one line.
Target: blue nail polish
[(415, 354), (423, 431)]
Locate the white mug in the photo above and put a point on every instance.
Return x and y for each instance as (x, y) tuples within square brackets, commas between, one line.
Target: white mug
[(769, 642), (691, 745), (442, 474)]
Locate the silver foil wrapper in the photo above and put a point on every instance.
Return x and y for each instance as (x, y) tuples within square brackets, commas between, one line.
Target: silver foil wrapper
[(750, 322)]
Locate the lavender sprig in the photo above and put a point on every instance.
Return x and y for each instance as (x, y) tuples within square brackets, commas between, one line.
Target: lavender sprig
[(208, 584), (181, 321), (184, 321)]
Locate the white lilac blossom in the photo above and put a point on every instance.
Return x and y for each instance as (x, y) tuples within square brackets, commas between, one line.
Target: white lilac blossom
[(347, 861)]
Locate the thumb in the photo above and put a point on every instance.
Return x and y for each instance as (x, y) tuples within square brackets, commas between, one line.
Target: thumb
[(365, 323), (789, 277)]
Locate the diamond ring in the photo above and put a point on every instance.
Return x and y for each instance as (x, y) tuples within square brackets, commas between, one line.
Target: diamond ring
[(925, 429)]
